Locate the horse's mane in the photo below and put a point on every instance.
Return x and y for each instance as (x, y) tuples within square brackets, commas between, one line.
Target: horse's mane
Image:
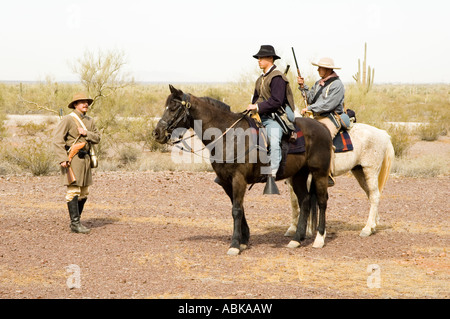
[(216, 103)]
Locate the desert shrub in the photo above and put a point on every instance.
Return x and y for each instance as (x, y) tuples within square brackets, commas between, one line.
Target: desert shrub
[(31, 128), (215, 93), (429, 132), (128, 154), (34, 155), (6, 167), (425, 166), (401, 139), (3, 129)]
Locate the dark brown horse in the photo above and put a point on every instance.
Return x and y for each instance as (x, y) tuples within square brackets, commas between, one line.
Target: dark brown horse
[(236, 172)]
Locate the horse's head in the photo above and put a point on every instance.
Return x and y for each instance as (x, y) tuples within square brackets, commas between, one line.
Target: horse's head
[(176, 115)]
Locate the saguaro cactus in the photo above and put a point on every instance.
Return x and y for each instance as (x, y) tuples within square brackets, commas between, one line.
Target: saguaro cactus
[(365, 80)]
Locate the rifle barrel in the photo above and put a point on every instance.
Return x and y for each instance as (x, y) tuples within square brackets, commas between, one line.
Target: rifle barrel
[(305, 100), (296, 64)]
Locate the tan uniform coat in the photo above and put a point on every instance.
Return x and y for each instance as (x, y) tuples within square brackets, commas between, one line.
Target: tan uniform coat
[(63, 137)]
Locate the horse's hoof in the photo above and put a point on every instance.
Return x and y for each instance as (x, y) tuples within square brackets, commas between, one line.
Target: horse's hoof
[(293, 244), (243, 247), (319, 242), (290, 232), (366, 232), (233, 251)]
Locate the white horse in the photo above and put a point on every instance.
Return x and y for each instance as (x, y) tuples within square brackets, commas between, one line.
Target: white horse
[(370, 162)]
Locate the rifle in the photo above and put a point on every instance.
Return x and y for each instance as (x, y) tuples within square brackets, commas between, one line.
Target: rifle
[(73, 150), (305, 99)]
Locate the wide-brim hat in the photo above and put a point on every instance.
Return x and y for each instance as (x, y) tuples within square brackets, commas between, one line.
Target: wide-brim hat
[(79, 97), (265, 51), (327, 63)]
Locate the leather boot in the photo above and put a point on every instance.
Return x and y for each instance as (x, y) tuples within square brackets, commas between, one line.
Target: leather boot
[(75, 224), (81, 203)]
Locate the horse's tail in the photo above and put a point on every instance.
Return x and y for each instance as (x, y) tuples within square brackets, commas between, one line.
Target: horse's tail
[(386, 166)]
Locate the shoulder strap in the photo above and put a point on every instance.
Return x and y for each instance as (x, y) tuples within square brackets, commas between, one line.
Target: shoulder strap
[(78, 121), (327, 84)]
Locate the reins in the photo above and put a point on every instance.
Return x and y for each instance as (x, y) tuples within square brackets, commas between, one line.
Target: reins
[(186, 105)]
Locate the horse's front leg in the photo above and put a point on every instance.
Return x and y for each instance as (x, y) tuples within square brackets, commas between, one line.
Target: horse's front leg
[(301, 192), (241, 232), (321, 190)]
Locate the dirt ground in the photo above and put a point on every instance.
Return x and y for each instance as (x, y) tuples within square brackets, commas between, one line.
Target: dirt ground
[(166, 234)]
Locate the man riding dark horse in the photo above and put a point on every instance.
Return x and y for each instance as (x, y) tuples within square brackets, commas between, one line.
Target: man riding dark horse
[(272, 94)]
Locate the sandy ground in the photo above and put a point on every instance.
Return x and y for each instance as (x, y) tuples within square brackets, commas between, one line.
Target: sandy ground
[(166, 234)]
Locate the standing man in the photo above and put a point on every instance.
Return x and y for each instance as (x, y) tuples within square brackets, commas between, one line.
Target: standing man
[(325, 99), (272, 92), (74, 128)]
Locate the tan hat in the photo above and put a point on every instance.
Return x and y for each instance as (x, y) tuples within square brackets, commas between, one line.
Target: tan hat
[(327, 63), (79, 97)]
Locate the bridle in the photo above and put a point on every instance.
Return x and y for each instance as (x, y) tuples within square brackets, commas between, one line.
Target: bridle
[(182, 114)]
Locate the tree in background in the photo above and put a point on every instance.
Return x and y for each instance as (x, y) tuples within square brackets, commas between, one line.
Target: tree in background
[(102, 74), (103, 77)]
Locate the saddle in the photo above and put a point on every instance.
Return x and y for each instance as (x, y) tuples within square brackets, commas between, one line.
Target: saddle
[(288, 145), (342, 141)]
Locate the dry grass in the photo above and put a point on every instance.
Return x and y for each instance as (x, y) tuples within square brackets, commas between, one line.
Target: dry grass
[(142, 102), (420, 277), (31, 276)]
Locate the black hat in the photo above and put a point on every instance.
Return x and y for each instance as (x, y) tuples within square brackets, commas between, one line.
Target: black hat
[(265, 51)]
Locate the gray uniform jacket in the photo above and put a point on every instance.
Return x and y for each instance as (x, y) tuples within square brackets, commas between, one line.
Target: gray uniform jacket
[(331, 98)]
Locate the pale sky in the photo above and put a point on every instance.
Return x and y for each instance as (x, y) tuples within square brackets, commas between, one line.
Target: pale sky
[(213, 41)]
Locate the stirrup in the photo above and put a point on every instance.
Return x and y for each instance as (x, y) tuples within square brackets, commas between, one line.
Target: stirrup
[(271, 188)]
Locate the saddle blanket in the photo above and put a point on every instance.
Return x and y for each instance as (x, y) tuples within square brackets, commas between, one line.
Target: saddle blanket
[(342, 142), (259, 136)]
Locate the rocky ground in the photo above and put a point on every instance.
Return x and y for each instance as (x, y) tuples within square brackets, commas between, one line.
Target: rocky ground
[(166, 234)]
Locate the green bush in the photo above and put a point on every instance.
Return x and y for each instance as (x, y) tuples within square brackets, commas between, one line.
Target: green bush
[(128, 154), (401, 139), (35, 156), (429, 132), (3, 130), (31, 128)]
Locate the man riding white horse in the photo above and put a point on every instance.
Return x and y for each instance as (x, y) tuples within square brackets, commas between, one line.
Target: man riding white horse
[(325, 99)]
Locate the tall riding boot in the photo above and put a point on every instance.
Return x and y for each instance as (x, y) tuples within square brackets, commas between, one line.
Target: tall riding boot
[(81, 203), (75, 224)]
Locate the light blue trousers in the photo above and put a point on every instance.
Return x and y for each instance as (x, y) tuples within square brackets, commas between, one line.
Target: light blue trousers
[(274, 134)]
